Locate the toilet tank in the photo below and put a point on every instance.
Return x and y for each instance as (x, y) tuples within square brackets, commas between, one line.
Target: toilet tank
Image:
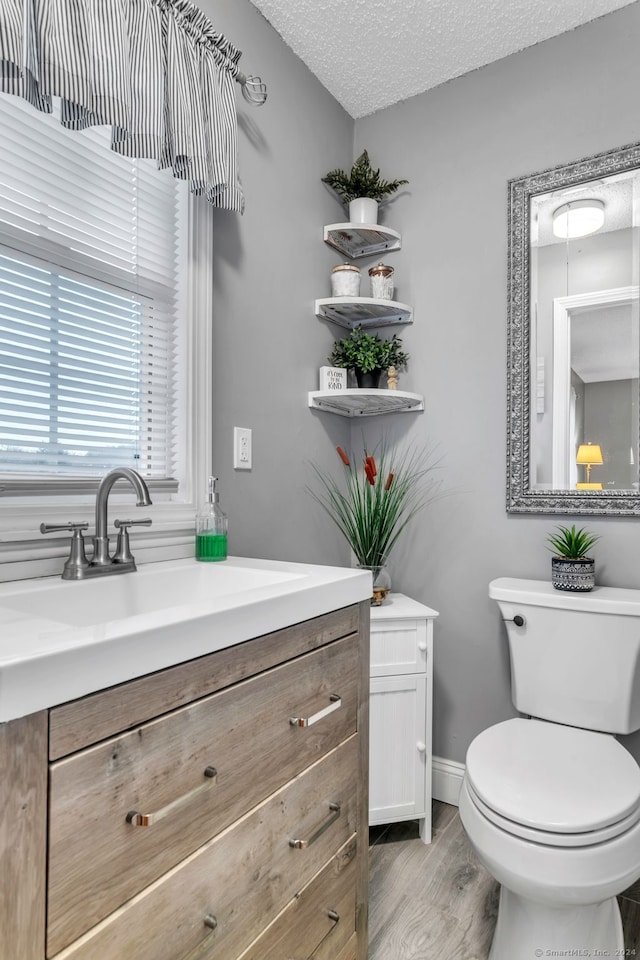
[(576, 657)]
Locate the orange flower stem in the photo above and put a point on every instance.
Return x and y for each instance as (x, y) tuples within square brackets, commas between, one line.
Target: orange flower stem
[(389, 481), (343, 456)]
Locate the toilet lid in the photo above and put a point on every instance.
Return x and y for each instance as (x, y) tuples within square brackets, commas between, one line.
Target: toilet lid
[(553, 778)]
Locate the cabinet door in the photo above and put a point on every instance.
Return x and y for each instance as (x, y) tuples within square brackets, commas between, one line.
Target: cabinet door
[(398, 755)]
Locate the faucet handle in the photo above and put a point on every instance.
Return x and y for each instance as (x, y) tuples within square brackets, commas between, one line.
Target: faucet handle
[(56, 527), (76, 562), (123, 550)]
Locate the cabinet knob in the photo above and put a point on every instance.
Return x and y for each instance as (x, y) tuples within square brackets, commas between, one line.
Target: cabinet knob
[(422, 747), (422, 645)]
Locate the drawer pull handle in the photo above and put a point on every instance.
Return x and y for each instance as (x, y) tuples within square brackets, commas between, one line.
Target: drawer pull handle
[(336, 703), (203, 947), (422, 645), (333, 915), (302, 844), (148, 819)]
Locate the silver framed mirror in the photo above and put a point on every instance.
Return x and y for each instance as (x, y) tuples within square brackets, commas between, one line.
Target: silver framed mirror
[(573, 355)]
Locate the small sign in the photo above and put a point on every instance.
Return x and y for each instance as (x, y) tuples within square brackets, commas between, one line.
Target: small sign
[(333, 378)]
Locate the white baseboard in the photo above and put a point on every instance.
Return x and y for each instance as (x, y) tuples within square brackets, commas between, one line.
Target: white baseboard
[(447, 780)]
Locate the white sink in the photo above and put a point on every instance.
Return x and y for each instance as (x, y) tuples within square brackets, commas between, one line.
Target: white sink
[(60, 640), (153, 588)]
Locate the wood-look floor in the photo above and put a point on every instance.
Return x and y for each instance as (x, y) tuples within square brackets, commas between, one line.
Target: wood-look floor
[(436, 901)]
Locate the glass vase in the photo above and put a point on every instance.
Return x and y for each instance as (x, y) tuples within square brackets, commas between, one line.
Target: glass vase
[(381, 582)]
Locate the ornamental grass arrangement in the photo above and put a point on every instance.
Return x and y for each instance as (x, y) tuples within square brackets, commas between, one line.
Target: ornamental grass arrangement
[(377, 498)]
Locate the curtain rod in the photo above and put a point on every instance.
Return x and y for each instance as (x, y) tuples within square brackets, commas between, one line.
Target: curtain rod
[(253, 89)]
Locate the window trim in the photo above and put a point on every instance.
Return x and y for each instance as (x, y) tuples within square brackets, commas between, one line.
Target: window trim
[(25, 553)]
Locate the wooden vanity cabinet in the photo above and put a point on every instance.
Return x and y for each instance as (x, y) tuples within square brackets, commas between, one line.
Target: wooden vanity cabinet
[(185, 816)]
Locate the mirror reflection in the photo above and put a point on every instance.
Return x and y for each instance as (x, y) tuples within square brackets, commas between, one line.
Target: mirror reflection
[(574, 325), (584, 335)]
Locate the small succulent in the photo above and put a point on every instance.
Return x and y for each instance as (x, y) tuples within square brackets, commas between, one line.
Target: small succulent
[(571, 543), (361, 181)]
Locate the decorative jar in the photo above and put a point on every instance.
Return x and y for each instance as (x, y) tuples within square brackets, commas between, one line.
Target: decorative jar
[(345, 280), (381, 277)]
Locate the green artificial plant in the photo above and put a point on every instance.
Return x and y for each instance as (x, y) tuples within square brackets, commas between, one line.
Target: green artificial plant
[(368, 352), (361, 181), (570, 543)]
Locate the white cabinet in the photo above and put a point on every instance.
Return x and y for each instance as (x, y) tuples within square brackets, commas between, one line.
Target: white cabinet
[(400, 706)]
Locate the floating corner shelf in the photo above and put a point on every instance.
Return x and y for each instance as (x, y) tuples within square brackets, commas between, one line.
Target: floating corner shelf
[(351, 312), (356, 240), (365, 403)]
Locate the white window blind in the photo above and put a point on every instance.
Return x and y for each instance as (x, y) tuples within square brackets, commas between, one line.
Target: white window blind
[(92, 254)]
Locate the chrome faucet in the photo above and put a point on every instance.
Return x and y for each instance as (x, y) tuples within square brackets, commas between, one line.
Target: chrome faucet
[(77, 567)]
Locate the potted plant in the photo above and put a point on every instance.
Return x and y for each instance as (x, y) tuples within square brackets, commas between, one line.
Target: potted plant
[(362, 183), (381, 498), (571, 568), (368, 355)]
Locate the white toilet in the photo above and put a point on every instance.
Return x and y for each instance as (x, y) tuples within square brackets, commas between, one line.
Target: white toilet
[(551, 804)]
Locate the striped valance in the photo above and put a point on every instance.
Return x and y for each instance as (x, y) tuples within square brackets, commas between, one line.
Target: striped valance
[(155, 71)]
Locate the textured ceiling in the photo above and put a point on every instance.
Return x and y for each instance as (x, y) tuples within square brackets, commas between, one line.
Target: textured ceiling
[(372, 53)]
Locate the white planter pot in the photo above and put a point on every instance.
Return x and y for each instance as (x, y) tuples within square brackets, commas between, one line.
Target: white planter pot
[(363, 210)]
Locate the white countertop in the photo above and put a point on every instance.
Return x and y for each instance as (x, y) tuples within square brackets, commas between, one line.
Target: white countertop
[(60, 640), (398, 607)]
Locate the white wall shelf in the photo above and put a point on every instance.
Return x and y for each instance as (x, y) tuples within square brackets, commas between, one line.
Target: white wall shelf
[(365, 403), (353, 312), (357, 240)]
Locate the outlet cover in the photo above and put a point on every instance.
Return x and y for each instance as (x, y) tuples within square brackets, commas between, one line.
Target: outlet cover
[(242, 456)]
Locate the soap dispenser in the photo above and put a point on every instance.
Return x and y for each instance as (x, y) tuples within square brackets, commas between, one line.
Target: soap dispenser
[(211, 527)]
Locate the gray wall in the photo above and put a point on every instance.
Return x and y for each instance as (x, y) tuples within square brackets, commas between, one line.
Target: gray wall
[(458, 145), (269, 266), (611, 412), (564, 99)]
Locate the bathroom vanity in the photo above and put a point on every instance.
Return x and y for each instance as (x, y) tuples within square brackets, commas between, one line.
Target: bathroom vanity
[(209, 806)]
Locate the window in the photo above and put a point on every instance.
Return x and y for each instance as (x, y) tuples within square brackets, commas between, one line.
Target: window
[(89, 271), (99, 359)]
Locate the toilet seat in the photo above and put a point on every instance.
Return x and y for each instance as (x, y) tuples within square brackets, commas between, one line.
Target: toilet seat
[(553, 784), (554, 839)]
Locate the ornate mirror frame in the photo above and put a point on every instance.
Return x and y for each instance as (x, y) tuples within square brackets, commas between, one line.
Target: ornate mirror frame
[(520, 497)]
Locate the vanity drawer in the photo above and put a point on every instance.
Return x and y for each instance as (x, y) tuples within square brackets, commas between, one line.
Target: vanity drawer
[(80, 723), (242, 878), (242, 735), (399, 647), (321, 914)]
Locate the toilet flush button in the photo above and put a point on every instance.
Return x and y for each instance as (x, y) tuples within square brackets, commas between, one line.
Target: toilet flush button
[(519, 620)]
